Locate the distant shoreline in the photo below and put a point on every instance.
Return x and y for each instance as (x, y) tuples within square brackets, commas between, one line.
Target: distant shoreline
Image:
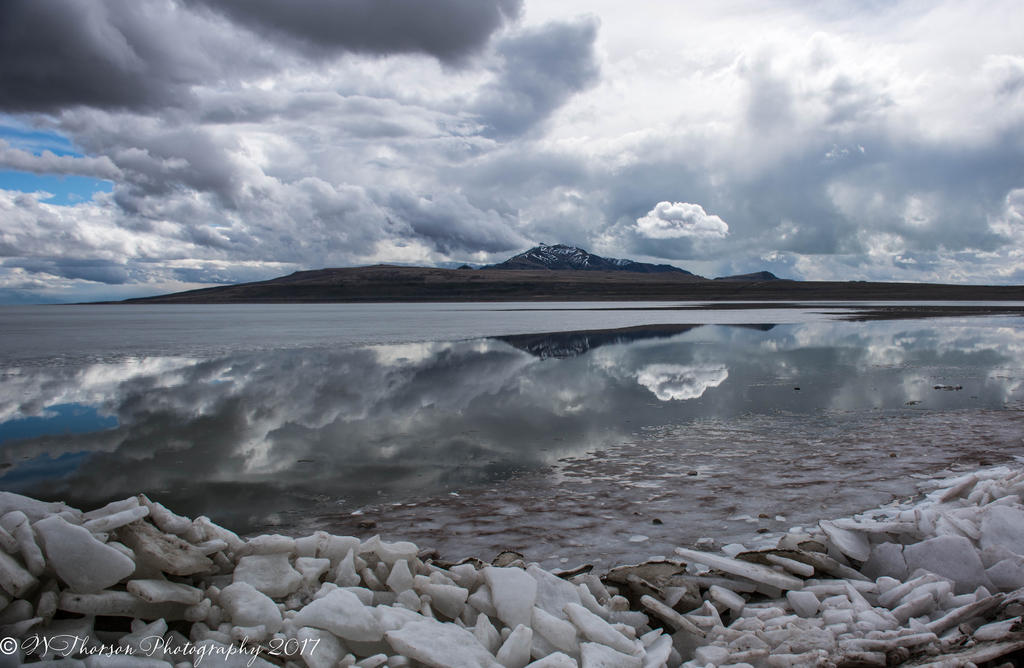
[(388, 284)]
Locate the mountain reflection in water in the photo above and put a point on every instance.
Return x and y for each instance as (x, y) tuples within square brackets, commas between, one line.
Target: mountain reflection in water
[(255, 437)]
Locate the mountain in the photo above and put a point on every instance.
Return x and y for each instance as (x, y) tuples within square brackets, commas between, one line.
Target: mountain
[(563, 345), (561, 258), (756, 276)]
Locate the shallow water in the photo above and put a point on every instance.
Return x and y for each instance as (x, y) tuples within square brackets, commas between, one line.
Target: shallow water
[(563, 434)]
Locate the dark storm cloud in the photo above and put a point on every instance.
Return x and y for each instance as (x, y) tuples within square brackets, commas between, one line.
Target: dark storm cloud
[(113, 54), (542, 68), (143, 54), (446, 29)]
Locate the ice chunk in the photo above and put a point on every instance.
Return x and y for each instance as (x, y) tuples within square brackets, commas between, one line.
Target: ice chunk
[(146, 639), (954, 557), (119, 604), (886, 559), (17, 523), (162, 591), (346, 574), (312, 569), (915, 607), (343, 614), (558, 632), (266, 544), (163, 518), (853, 544), (595, 655), (556, 660), (400, 577), (755, 572), (486, 634), (449, 600), (247, 606), (334, 547), (82, 562), (165, 552), (996, 630), (804, 603), (553, 593), (320, 649), (271, 573), (117, 520), (1003, 526), (440, 645), (389, 553), (203, 529), (513, 593), (954, 617), (1006, 575), (35, 510), (14, 579), (515, 651), (596, 629), (728, 598)]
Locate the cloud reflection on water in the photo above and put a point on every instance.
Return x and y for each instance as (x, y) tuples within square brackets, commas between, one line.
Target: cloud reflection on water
[(250, 435)]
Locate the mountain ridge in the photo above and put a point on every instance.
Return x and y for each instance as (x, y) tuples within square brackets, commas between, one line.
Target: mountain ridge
[(602, 279)]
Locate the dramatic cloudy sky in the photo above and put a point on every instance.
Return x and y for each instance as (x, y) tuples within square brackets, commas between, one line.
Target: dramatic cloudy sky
[(156, 145)]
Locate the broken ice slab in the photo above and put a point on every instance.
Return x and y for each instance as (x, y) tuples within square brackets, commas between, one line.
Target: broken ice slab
[(513, 594), (441, 644), (165, 552), (163, 591), (84, 563), (119, 604), (107, 523), (271, 574), (853, 544), (344, 615), (744, 569)]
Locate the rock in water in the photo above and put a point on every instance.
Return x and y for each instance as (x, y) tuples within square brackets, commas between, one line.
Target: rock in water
[(84, 563)]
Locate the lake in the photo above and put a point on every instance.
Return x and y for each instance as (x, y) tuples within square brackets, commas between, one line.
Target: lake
[(569, 432)]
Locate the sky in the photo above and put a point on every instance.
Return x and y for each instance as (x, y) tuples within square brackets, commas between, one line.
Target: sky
[(149, 146)]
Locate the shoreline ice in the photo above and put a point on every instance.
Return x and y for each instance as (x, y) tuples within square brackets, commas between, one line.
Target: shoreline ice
[(936, 581)]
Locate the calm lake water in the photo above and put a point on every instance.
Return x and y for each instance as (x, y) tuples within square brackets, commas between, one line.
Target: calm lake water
[(564, 432)]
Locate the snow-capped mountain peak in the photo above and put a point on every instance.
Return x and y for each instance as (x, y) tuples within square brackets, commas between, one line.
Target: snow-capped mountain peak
[(559, 257)]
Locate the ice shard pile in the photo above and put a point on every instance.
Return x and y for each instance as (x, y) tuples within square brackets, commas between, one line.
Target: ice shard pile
[(938, 581)]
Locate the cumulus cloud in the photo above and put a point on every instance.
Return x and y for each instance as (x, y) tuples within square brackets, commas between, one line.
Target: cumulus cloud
[(679, 382), (50, 163), (671, 220), (541, 68)]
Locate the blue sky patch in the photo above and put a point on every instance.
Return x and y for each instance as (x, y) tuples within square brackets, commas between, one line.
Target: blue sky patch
[(66, 419), (66, 190)]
